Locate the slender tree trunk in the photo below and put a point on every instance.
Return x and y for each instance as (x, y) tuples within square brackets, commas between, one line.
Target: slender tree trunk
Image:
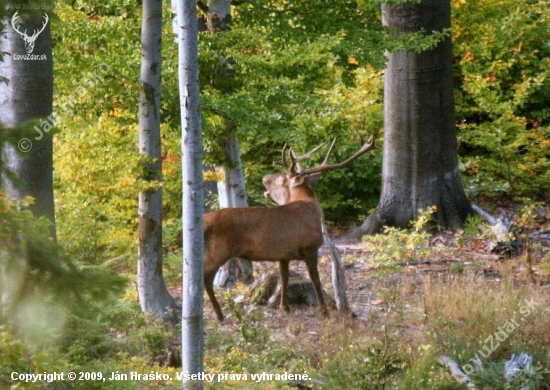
[(26, 93), (193, 193), (338, 273), (219, 15), (420, 161), (232, 190), (153, 295), (232, 193)]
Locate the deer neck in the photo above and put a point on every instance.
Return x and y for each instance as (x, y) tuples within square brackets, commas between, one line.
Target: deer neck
[(303, 193)]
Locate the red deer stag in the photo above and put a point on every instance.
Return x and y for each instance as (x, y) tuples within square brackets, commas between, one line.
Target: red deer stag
[(290, 231)]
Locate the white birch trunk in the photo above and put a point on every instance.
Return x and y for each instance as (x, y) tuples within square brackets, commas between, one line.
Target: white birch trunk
[(232, 193), (232, 190), (153, 296), (233, 187), (193, 193)]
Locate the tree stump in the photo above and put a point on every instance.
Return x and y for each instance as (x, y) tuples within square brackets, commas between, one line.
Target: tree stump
[(266, 290)]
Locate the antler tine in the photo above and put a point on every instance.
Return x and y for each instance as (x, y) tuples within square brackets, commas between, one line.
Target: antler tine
[(325, 166), (14, 23), (295, 160), (308, 154), (283, 156), (280, 162), (284, 161), (298, 159), (44, 24), (329, 151)]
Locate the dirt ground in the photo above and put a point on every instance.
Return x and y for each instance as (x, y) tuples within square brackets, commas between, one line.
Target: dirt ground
[(367, 285)]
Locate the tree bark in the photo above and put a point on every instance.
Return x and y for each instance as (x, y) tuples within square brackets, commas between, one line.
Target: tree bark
[(193, 193), (26, 93), (219, 15), (232, 193), (338, 273), (232, 190), (420, 160), (153, 295)]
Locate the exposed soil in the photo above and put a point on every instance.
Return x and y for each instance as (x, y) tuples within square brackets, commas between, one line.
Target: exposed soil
[(370, 289), (367, 284)]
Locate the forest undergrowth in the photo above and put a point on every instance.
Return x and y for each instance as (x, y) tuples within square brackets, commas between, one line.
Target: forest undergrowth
[(415, 296), (461, 295)]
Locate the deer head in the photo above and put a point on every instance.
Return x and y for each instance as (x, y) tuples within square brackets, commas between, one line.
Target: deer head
[(281, 188), (29, 40)]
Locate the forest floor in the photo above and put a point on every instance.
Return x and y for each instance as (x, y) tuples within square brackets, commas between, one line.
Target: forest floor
[(449, 255), (456, 277)]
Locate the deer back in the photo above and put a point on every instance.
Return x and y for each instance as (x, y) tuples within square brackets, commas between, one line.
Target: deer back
[(263, 233)]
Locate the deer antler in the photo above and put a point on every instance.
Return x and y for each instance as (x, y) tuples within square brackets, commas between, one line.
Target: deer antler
[(325, 166), (296, 168), (14, 24), (44, 24), (295, 160)]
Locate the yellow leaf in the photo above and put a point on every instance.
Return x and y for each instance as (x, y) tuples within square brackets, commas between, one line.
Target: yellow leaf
[(116, 112), (459, 3), (468, 56), (353, 61)]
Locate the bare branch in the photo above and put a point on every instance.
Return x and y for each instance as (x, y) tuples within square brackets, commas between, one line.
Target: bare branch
[(456, 372)]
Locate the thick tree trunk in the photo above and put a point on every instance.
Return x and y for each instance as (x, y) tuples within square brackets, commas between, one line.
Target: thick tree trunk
[(420, 161), (153, 295), (27, 93), (193, 191)]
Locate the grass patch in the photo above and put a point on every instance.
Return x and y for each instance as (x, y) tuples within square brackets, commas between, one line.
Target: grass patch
[(396, 347)]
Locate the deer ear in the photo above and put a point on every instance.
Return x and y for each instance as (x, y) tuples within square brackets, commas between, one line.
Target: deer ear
[(297, 181), (314, 177)]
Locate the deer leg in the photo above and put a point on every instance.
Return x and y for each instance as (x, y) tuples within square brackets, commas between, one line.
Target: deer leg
[(311, 263), (283, 270), (209, 286)]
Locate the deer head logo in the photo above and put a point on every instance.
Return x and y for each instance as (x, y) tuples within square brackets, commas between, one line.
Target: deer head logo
[(29, 40)]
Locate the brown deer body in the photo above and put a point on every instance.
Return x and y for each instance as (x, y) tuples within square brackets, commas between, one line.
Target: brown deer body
[(291, 231)]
